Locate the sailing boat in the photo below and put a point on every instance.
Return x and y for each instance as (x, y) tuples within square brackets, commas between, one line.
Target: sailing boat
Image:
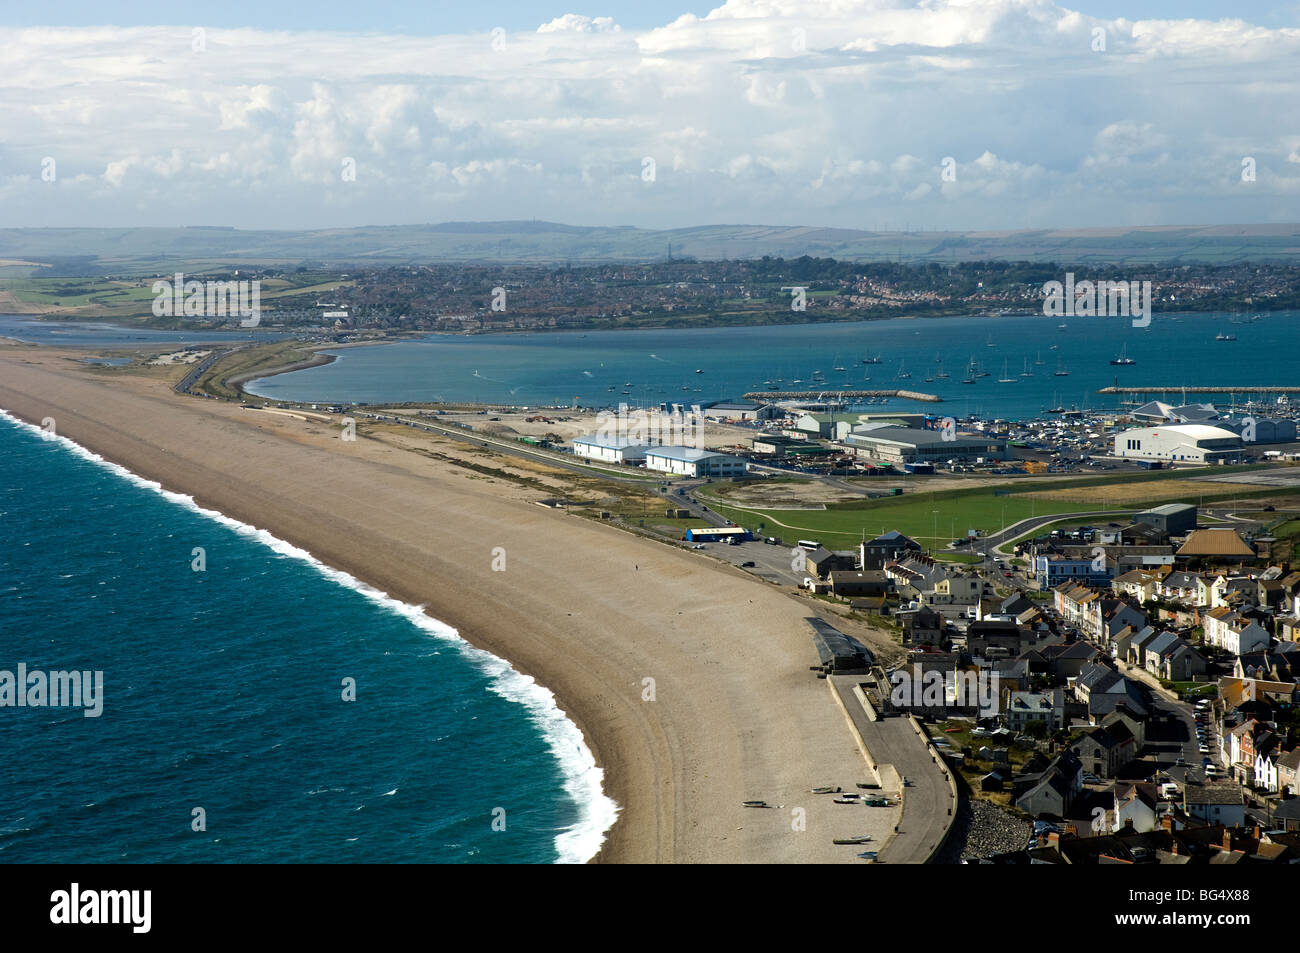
[(942, 375), (970, 371), (1123, 358), (1004, 379), (1060, 369), (872, 359), (903, 374), (1039, 362), (1026, 372)]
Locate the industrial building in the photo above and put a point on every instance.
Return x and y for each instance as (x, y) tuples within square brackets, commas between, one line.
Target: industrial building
[(830, 426), (1172, 519), (609, 449), (1192, 443), (1260, 429), (776, 445), (741, 410), (902, 445), (688, 461)]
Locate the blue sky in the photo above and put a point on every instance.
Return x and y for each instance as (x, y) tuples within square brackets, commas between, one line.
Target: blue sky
[(955, 114), (456, 17)]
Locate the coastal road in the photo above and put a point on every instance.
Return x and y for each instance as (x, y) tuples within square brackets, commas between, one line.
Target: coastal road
[(927, 801)]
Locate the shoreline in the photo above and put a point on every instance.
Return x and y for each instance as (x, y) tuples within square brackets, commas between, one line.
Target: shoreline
[(572, 612), (538, 703)]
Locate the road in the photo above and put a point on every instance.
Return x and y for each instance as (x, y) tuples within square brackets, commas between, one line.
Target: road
[(927, 801)]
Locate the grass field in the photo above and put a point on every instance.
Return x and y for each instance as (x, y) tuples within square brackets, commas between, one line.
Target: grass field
[(932, 519)]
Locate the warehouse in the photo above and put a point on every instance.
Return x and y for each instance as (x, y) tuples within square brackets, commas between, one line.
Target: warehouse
[(609, 449), (899, 445), (1172, 519), (1193, 443), (1260, 429), (688, 461), (741, 410), (778, 446)]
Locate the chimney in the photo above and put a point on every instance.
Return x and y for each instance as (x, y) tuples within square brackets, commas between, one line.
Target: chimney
[(1227, 839)]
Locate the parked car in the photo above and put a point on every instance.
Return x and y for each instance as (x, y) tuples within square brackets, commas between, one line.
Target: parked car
[(748, 564), (1091, 778)]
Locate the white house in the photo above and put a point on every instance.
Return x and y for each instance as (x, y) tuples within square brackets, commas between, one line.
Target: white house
[(1226, 629)]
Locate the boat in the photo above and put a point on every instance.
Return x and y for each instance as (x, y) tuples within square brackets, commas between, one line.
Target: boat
[(1060, 370), (929, 380), (848, 799), (876, 359), (827, 790), (902, 374), (1060, 327), (1225, 337), (841, 369), (754, 803), (854, 841), (1123, 360), (1039, 362), (1004, 379), (1026, 372), (699, 371)]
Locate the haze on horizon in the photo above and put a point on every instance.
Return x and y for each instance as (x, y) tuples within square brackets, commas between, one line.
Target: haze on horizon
[(982, 114)]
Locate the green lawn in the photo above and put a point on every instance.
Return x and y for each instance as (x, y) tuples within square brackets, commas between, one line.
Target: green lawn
[(843, 525)]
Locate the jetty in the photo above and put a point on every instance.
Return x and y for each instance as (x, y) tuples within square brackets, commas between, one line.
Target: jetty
[(1201, 389), (840, 395)]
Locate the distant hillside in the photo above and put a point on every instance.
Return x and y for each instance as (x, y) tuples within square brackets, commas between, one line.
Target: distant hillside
[(106, 250)]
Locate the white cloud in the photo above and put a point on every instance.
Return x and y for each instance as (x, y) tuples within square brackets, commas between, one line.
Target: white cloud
[(833, 112)]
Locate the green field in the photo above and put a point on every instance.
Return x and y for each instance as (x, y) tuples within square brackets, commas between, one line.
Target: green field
[(932, 519)]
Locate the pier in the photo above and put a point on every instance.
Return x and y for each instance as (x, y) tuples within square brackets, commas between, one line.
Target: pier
[(1201, 389), (846, 395)]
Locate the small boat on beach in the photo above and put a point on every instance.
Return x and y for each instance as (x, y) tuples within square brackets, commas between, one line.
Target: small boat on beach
[(827, 790), (754, 803)]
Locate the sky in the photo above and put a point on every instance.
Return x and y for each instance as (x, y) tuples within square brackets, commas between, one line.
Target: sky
[(964, 114)]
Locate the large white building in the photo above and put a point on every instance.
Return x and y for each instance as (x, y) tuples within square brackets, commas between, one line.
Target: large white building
[(609, 449), (688, 461), (1193, 443)]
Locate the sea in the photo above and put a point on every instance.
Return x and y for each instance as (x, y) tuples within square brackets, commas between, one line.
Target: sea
[(226, 733), (1029, 364)]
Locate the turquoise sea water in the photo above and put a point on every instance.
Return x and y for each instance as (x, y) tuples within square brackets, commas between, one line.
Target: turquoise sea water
[(223, 691), (660, 366)]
